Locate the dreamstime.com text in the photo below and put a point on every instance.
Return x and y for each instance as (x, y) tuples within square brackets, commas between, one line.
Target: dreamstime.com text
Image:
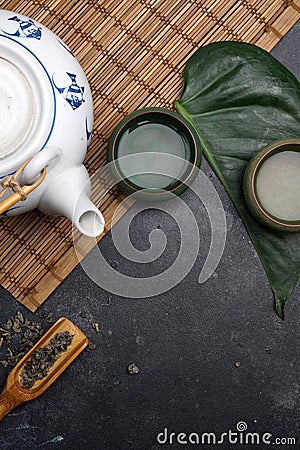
[(233, 437)]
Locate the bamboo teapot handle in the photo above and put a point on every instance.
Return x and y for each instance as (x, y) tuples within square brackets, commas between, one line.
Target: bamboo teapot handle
[(19, 192)]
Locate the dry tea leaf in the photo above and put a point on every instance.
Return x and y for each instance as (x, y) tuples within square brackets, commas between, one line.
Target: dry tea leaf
[(17, 336), (133, 369), (44, 358)]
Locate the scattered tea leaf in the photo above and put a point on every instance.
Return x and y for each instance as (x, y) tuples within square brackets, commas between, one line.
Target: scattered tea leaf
[(108, 301), (20, 316), (17, 336), (133, 369), (91, 346), (96, 327)]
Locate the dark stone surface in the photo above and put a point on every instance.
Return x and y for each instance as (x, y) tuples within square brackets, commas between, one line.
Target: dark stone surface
[(186, 343)]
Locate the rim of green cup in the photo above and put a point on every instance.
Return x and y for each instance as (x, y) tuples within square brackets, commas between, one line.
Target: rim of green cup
[(176, 188)]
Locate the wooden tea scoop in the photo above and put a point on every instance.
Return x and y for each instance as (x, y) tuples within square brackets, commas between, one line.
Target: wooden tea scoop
[(14, 393)]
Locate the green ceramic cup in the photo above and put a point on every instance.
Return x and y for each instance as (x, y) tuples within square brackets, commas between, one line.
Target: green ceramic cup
[(154, 153), (251, 187)]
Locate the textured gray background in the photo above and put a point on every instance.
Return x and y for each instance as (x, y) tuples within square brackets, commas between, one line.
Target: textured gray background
[(185, 342)]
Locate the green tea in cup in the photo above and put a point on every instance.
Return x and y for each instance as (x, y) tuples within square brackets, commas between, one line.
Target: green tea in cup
[(154, 151)]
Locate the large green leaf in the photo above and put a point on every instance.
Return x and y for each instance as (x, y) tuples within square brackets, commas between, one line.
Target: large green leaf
[(239, 98)]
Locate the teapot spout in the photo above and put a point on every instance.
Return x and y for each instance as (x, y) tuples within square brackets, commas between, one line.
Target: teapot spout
[(87, 218), (68, 195)]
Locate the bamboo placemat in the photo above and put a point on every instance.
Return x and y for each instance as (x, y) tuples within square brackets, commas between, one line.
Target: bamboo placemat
[(133, 54)]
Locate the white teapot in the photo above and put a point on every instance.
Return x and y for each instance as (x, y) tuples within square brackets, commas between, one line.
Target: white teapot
[(46, 119)]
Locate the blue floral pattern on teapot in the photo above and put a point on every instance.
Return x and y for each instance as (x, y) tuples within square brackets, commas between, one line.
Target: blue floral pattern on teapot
[(73, 93), (26, 28)]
